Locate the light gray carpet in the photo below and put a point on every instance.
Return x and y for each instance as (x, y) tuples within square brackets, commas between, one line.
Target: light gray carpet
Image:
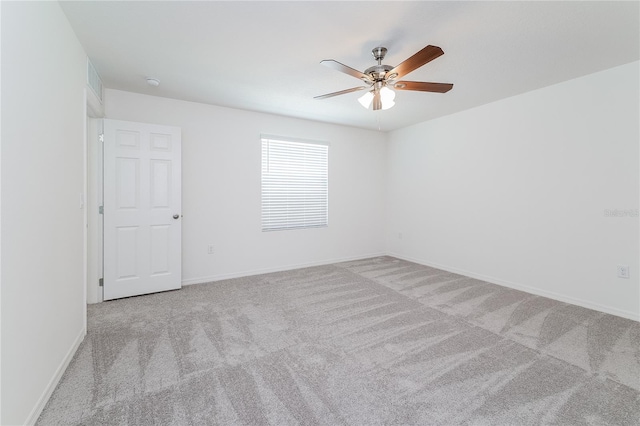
[(370, 342)]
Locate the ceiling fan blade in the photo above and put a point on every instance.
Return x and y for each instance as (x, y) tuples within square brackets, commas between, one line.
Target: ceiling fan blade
[(423, 86), (424, 56), (377, 101), (342, 92), (345, 69)]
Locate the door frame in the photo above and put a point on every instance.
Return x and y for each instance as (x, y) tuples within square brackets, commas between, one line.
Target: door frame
[(93, 197)]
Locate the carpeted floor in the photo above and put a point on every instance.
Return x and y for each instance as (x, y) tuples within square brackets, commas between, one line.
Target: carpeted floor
[(370, 342)]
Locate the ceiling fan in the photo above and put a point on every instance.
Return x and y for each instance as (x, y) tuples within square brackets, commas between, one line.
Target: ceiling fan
[(379, 79)]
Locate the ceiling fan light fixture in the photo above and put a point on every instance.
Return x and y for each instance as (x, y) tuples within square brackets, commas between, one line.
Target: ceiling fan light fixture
[(387, 104), (386, 97), (387, 94), (366, 99)]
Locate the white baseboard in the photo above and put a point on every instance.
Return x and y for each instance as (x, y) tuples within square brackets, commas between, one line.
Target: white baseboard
[(211, 278), (526, 288), (42, 401)]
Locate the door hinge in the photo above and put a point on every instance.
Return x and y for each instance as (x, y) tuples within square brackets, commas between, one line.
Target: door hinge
[(101, 137), (100, 209), (100, 282)]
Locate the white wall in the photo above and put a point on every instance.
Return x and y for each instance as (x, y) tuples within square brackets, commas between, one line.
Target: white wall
[(514, 192), (221, 188), (43, 75)]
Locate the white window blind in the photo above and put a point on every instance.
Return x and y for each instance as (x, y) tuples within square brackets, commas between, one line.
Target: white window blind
[(295, 184)]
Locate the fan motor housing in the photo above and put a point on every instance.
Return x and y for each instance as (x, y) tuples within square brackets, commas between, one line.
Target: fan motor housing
[(378, 72)]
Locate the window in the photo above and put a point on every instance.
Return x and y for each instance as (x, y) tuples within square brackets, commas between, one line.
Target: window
[(295, 184)]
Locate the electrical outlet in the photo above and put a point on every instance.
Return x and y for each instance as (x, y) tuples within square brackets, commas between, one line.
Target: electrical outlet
[(623, 271), (210, 249)]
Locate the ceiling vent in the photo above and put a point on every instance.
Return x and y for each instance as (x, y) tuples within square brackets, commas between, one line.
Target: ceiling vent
[(93, 80)]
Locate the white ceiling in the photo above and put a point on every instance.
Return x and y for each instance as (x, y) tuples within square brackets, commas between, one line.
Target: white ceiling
[(265, 56)]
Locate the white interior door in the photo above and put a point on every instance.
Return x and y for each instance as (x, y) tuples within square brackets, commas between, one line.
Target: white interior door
[(142, 208)]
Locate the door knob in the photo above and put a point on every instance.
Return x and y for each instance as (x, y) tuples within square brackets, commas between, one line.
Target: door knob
[(176, 216)]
